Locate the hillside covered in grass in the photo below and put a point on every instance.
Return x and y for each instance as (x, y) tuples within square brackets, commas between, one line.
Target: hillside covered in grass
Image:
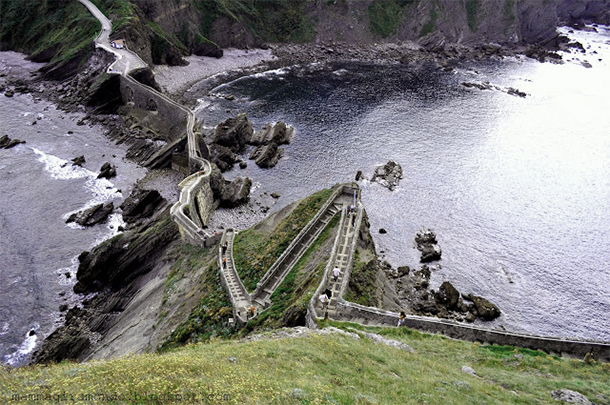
[(329, 368)]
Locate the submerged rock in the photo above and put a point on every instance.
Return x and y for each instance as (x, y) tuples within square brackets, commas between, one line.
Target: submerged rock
[(78, 161)]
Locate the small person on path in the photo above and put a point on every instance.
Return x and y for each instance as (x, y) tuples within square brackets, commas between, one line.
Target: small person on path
[(224, 248), (224, 262), (324, 300), (401, 318), (250, 314), (336, 272)]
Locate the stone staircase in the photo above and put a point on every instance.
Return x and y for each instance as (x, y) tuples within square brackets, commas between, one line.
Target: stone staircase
[(233, 285), (280, 269), (341, 260)]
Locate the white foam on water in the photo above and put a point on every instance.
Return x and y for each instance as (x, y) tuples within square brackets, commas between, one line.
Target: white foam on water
[(24, 349), (62, 279), (5, 328), (60, 169)]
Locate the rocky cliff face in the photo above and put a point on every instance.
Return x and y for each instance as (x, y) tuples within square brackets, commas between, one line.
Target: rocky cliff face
[(436, 22), (577, 12)]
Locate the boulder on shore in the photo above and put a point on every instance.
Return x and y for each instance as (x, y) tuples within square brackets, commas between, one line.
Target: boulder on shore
[(91, 216), (388, 175)]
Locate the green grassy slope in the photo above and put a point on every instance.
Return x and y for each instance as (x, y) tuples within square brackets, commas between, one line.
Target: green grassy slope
[(327, 369)]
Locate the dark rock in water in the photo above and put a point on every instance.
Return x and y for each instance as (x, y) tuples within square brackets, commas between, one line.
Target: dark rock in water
[(236, 192), (78, 161), (93, 215), (275, 195), (359, 175), (243, 164), (269, 155), (448, 295), (426, 244), (485, 309), (382, 231), (63, 307), (233, 132), (388, 175), (141, 204), (7, 143), (280, 133), (430, 253), (9, 93), (425, 236), (208, 48), (107, 171)]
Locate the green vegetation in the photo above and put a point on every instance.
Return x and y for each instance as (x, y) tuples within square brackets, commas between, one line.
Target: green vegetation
[(509, 9), (385, 16), (328, 369), (299, 285), (472, 8), (430, 25), (55, 32), (210, 317), (255, 251), (362, 288)]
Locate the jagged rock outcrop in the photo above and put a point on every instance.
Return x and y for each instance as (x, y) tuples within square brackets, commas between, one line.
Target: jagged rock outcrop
[(267, 156), (234, 132), (576, 13), (115, 270), (140, 204), (388, 175), (229, 193), (222, 156), (448, 295), (280, 133), (91, 216), (267, 152)]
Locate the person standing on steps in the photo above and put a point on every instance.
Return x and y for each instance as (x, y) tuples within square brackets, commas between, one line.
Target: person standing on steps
[(224, 262), (336, 272), (324, 301)]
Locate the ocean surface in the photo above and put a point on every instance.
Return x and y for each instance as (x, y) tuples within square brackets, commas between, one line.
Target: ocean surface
[(39, 189), (517, 189)]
